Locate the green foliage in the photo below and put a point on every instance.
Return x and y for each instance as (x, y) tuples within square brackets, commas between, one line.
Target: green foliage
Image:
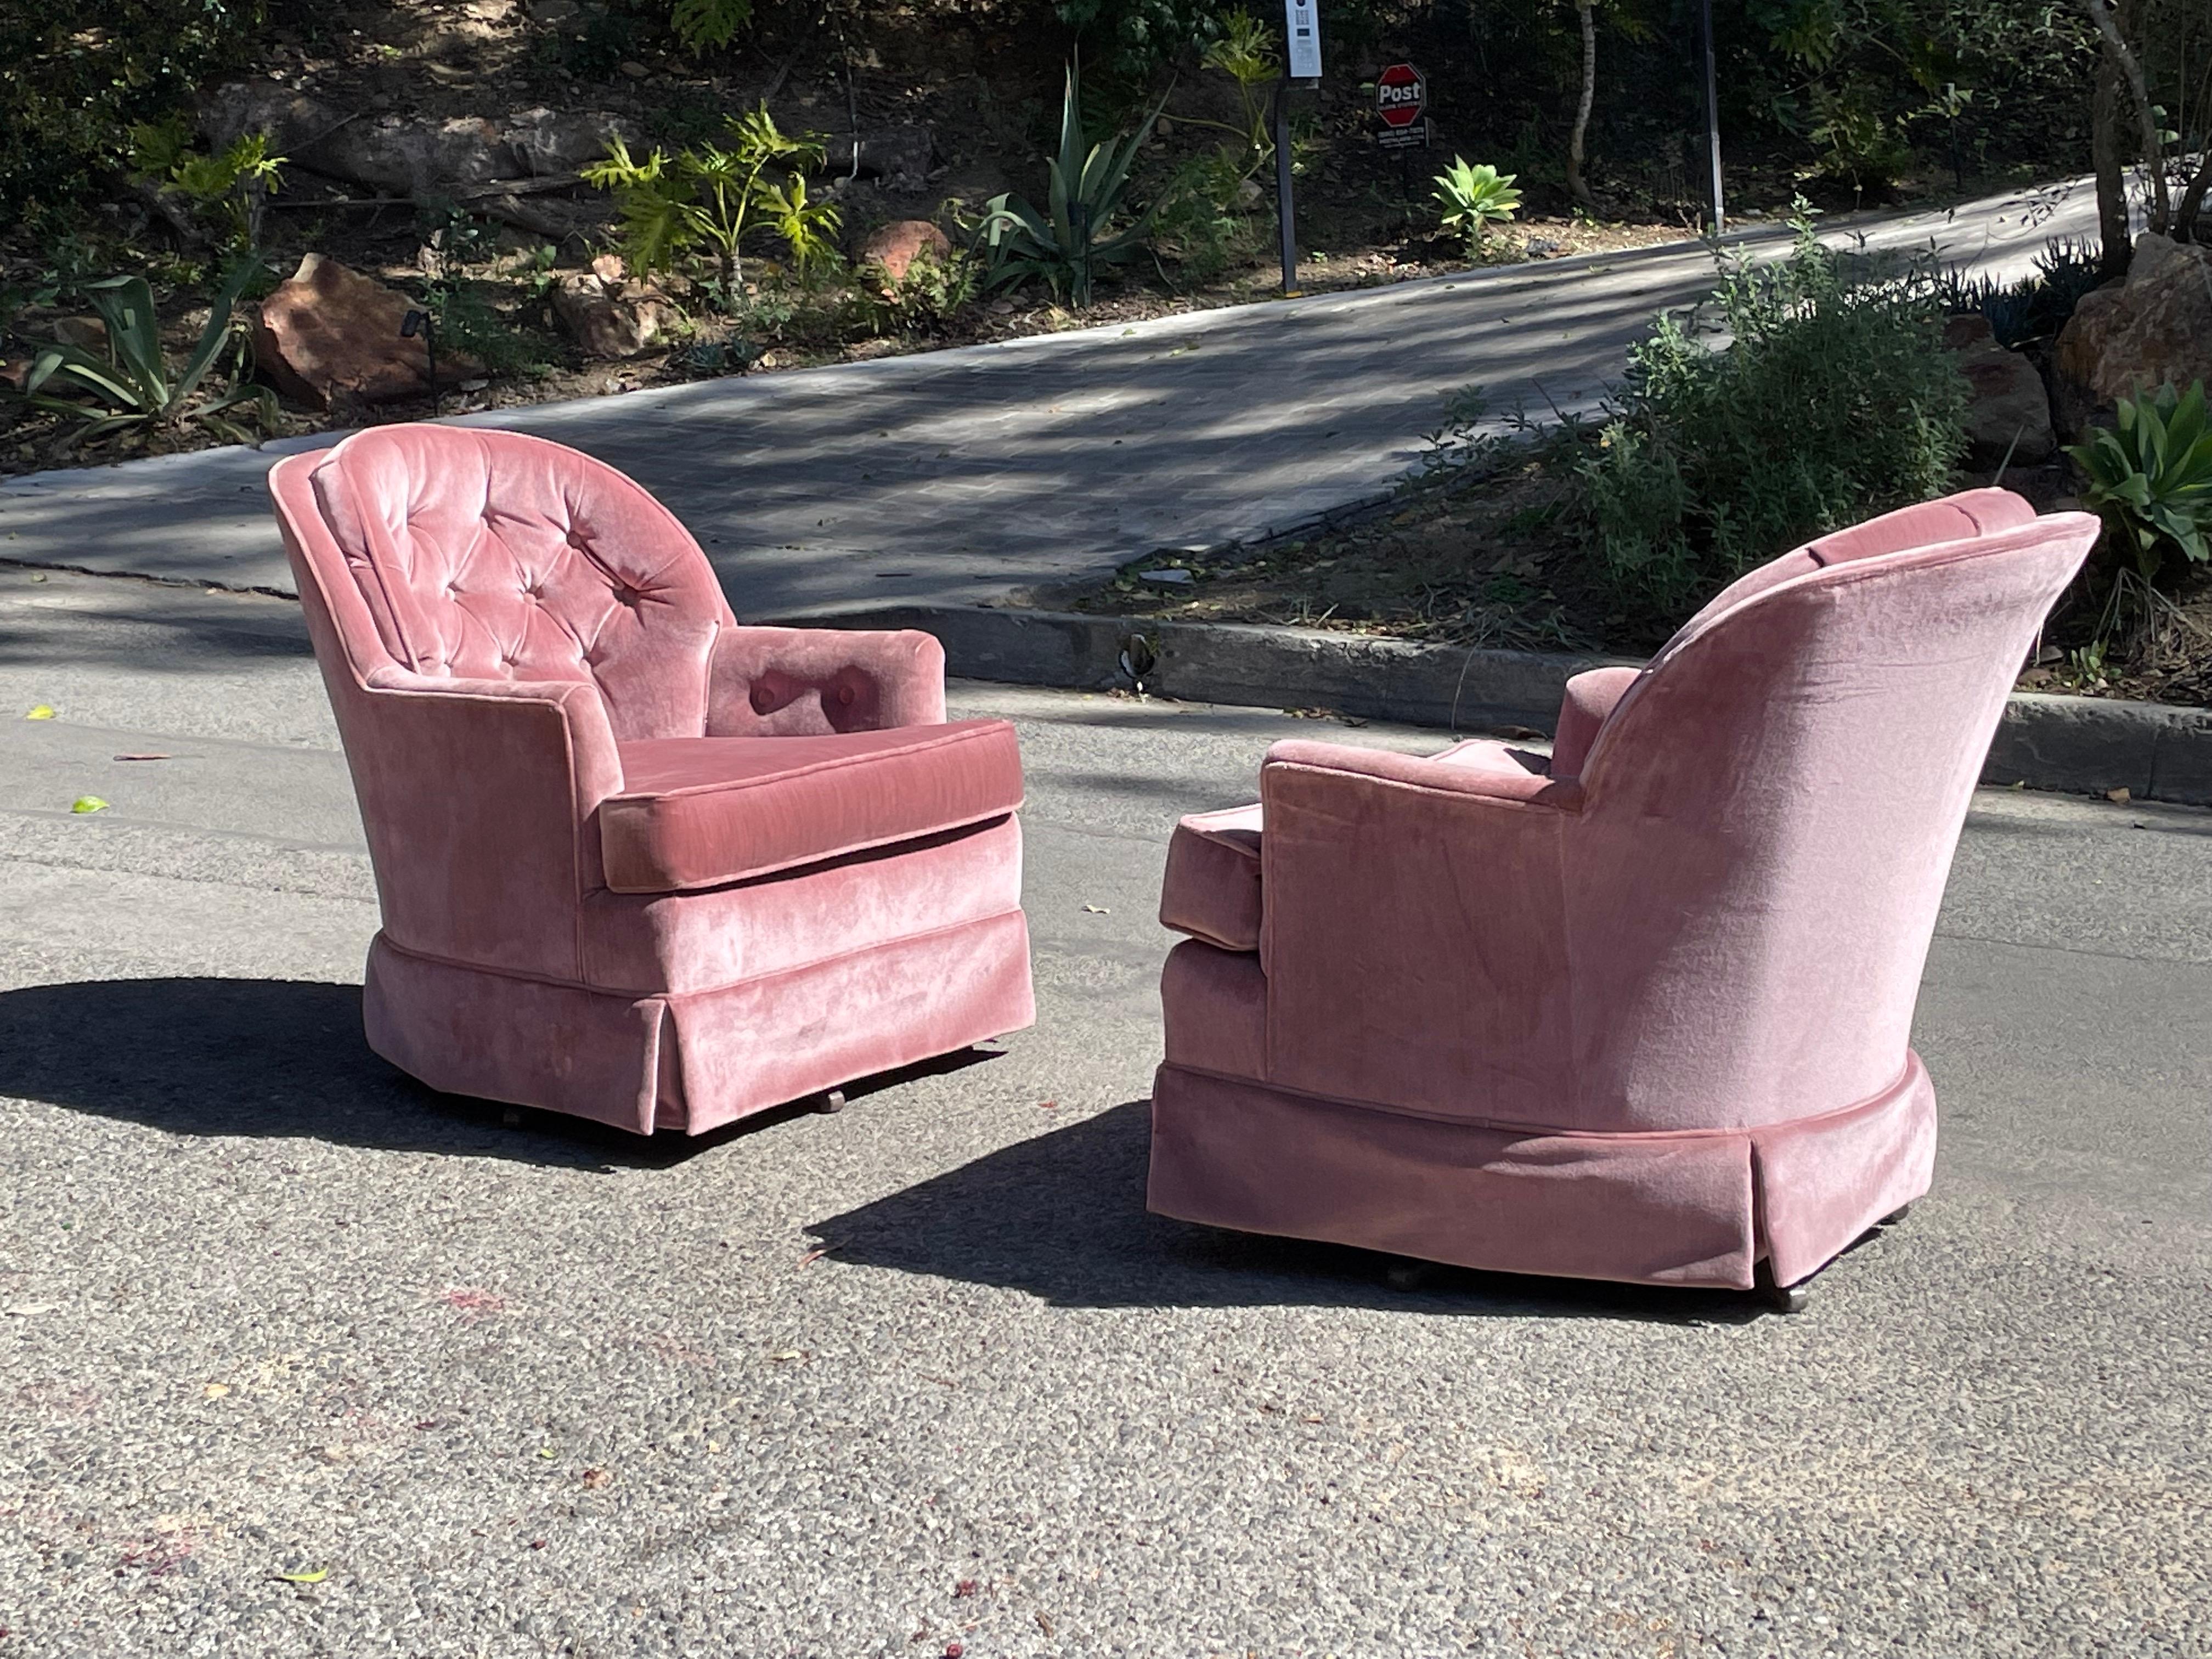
[(2035, 308), (935, 289), (1201, 220), (707, 199), (1474, 199), (76, 77), (1832, 402), (1137, 40), (129, 385), (1069, 246), (703, 25), (228, 187), (2151, 477), (1246, 53)]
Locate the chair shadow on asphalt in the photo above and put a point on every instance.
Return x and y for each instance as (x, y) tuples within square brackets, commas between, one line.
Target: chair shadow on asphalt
[(1063, 1217), (286, 1059)]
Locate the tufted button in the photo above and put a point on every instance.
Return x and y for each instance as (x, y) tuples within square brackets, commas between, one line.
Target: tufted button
[(762, 700), (845, 695)]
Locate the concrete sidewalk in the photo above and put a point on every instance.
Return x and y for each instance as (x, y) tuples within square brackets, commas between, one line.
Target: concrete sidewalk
[(964, 476), (268, 1309)]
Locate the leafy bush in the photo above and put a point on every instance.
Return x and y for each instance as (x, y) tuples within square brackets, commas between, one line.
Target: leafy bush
[(701, 24), (1834, 401), (1201, 219), (75, 78), (1474, 198), (934, 288), (707, 199), (2035, 308), (2152, 477), (230, 187), (1137, 40), (129, 385), (1069, 247)]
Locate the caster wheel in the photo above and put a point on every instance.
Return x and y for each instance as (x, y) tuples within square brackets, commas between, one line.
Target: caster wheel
[(1897, 1215), (831, 1102), (1409, 1275)]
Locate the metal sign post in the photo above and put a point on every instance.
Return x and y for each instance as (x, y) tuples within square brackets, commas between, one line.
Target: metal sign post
[(1302, 63), (1713, 123)]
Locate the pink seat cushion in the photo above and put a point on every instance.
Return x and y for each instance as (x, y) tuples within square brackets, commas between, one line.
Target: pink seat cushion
[(1211, 888), (700, 811)]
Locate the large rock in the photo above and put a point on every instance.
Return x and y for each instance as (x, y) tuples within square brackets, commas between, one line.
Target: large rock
[(2009, 413), (898, 157), (610, 316), (896, 245), (328, 332), (411, 155), (2153, 328)]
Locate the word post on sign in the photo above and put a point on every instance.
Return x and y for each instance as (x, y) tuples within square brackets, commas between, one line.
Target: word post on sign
[(1401, 101), (1301, 62)]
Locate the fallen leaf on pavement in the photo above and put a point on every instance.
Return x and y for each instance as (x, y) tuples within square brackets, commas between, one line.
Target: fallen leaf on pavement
[(2121, 795), (44, 711), (595, 1478), (142, 757), (1096, 910), (215, 1390), (314, 1577), (812, 1255), (87, 804), (27, 1309), (788, 1353)]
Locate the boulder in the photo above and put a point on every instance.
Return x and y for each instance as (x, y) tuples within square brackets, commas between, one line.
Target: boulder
[(609, 317), (894, 246), (330, 332), (2009, 413), (2153, 329), (899, 156), (411, 155)]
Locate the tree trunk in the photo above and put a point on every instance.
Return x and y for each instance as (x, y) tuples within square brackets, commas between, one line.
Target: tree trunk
[(2107, 140), (2192, 200), (2112, 27), (1577, 185)]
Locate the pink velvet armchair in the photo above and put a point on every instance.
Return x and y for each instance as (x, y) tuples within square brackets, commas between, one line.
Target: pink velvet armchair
[(1640, 1012), (637, 862)]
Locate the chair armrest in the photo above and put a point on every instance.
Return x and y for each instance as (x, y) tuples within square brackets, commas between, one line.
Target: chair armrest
[(1590, 698), (802, 682), (1413, 930), (478, 799)]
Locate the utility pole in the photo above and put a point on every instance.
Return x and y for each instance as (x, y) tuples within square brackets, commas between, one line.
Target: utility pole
[(1300, 65)]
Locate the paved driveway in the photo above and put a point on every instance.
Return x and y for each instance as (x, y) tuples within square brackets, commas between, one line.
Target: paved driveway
[(925, 1374), (957, 477)]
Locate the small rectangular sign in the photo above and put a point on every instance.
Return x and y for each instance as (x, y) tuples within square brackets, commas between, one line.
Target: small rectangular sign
[(1303, 20), (1413, 137)]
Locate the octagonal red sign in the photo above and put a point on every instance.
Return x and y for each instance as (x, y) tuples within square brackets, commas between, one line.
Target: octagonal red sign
[(1400, 94)]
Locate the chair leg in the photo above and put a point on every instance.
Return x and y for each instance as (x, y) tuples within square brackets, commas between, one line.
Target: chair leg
[(1897, 1215), (1783, 1299), (1408, 1274), (831, 1102)]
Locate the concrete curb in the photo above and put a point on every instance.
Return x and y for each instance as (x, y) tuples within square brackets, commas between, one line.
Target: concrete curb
[(2094, 745)]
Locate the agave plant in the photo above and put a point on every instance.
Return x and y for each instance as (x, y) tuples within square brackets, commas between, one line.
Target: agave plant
[(1069, 246), (131, 384), (1474, 198), (2152, 478)]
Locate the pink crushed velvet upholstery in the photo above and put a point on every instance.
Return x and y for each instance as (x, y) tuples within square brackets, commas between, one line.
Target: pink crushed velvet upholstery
[(1641, 1015), (635, 862), (701, 811)]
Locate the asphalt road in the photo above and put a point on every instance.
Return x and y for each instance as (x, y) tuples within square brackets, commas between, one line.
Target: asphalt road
[(971, 475), (924, 1373)]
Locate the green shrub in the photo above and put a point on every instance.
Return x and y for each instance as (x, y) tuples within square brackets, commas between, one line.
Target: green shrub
[(1070, 243), (2034, 307), (2152, 477), (1474, 199), (76, 78), (1833, 400)]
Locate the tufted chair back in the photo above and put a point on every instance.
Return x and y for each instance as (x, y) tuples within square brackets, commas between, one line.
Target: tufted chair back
[(483, 554)]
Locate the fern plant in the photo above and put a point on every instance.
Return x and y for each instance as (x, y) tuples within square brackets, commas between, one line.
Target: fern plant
[(2151, 476), (708, 198), (1474, 198), (131, 384), (701, 25), (1069, 245)]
